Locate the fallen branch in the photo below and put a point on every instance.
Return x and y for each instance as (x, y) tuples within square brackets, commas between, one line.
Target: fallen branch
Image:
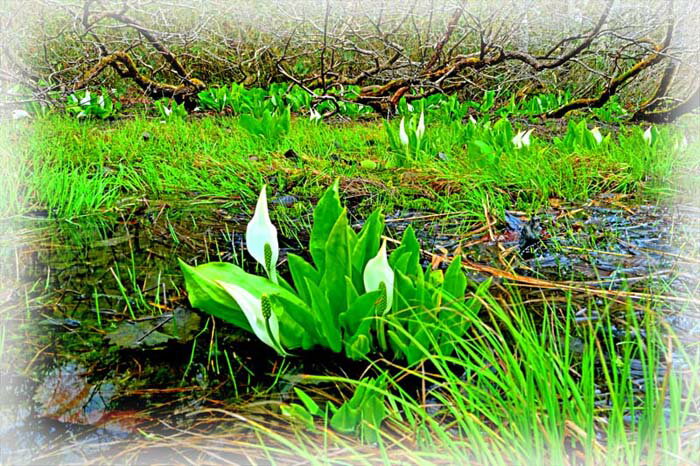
[(153, 89)]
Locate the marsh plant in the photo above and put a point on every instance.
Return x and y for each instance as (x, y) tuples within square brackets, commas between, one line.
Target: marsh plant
[(84, 104), (270, 126), (171, 111), (353, 298), (407, 142)]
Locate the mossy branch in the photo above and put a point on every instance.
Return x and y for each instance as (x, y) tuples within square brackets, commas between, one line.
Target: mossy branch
[(123, 64)]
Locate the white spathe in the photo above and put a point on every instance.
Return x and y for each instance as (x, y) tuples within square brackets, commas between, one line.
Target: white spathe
[(259, 232), (596, 134), (647, 135), (252, 308), (420, 130), (86, 99), (402, 132), (314, 115), (378, 271), (522, 139)]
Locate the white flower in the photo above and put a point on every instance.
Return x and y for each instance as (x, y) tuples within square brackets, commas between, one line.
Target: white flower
[(596, 134), (261, 237), (402, 133), (472, 120), (19, 114), (167, 111), (647, 135), (101, 101), (522, 139), (420, 130), (378, 271), (410, 107), (85, 100), (314, 115), (252, 307)]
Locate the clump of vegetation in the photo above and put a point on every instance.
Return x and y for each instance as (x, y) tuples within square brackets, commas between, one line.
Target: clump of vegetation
[(88, 105), (353, 298)]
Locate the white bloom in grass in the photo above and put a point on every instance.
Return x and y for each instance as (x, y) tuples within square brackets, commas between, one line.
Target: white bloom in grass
[(596, 134), (259, 314), (86, 100), (314, 115), (19, 114), (420, 130), (522, 139), (378, 271), (647, 135), (261, 237), (167, 110), (402, 133), (472, 120), (410, 107)]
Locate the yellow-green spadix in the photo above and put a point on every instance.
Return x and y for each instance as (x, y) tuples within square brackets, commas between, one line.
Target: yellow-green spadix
[(265, 327), (378, 271), (261, 238)]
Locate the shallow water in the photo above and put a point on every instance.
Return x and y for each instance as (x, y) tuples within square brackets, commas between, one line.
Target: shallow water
[(101, 341)]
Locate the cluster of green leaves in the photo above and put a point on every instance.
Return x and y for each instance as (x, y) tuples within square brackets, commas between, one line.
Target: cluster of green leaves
[(169, 110), (407, 141), (270, 127), (84, 104), (350, 299), (362, 414)]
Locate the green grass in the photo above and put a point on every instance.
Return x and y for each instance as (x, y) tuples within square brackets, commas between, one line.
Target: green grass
[(528, 387), (76, 168), (522, 386)]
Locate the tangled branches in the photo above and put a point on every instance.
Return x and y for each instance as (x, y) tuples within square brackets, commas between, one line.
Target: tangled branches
[(406, 48)]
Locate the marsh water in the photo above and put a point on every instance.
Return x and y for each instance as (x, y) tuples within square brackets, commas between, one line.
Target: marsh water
[(104, 346)]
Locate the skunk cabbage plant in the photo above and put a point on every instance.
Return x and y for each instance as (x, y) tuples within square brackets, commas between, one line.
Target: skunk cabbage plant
[(352, 297)]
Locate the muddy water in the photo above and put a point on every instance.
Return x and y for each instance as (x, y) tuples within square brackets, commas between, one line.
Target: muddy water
[(101, 344)]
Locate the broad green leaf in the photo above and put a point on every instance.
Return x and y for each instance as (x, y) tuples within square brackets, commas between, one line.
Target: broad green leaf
[(363, 308), (346, 419), (455, 282), (337, 265), (299, 414), (410, 264), (326, 215), (205, 294), (358, 347), (298, 327), (301, 271), (325, 316), (368, 241), (309, 403)]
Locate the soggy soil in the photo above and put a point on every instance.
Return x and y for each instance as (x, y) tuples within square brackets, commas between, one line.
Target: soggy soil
[(101, 343)]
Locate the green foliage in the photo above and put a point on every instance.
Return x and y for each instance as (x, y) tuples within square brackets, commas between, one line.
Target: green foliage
[(330, 304), (611, 112), (271, 127), (219, 99), (579, 137), (169, 110), (486, 104), (408, 140), (362, 414), (84, 104)]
